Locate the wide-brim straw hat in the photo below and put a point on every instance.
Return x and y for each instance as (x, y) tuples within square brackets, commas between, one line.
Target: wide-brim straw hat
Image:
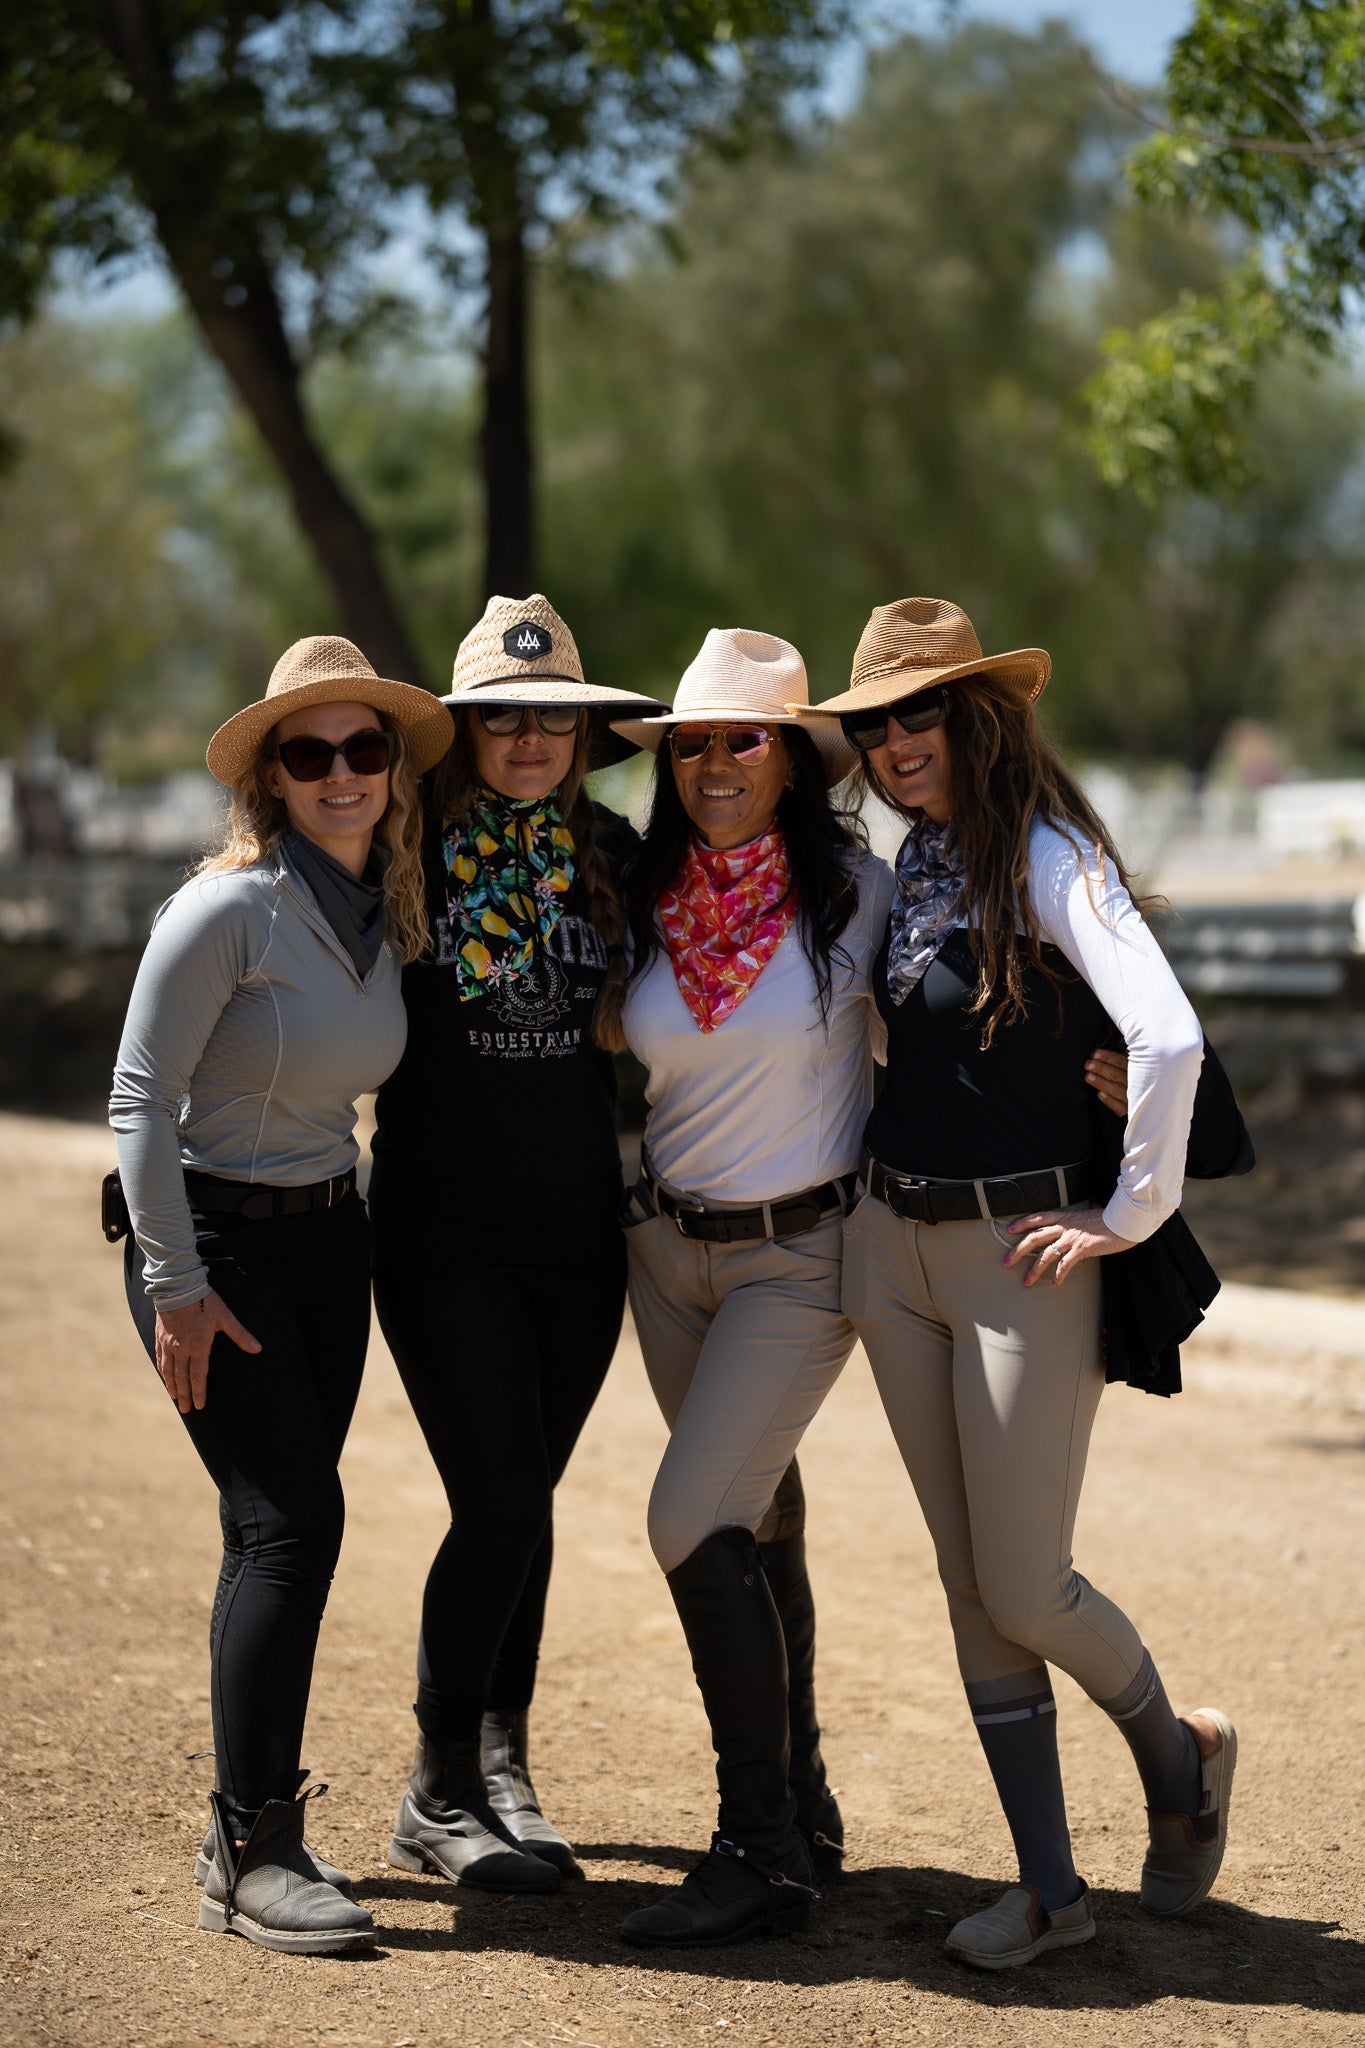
[(917, 642), (744, 678), (325, 669), (521, 652)]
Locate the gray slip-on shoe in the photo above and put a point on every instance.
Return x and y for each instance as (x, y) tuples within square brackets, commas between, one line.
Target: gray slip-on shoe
[(267, 1891), (1184, 1856), (1017, 1928), (327, 1872)]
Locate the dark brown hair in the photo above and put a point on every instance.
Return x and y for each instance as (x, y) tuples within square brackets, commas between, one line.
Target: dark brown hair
[(453, 784), (821, 843), (1006, 774)]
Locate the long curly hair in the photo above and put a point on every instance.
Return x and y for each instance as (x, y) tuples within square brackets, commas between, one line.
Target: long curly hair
[(822, 847), (258, 821), (452, 786), (1006, 773)]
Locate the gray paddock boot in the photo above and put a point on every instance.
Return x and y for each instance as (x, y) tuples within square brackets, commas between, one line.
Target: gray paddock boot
[(756, 1878), (512, 1795), (817, 1810), (446, 1825), (268, 1890), (328, 1872)]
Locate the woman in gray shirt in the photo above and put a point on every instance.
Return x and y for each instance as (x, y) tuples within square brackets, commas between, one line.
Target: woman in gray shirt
[(267, 1000)]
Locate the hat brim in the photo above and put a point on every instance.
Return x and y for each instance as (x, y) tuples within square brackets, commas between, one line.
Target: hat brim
[(1025, 671), (607, 746), (428, 726), (838, 755)]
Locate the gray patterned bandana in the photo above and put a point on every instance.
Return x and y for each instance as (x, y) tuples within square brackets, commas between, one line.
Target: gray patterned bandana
[(930, 894)]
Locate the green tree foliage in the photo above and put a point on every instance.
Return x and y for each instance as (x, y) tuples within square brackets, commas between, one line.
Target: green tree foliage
[(865, 381), (96, 615), (1264, 129)]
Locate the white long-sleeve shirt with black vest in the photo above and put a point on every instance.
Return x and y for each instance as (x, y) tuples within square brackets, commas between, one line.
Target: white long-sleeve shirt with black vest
[(249, 1037)]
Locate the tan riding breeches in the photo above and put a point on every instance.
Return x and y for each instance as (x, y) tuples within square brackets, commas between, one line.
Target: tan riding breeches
[(741, 1344), (991, 1390)]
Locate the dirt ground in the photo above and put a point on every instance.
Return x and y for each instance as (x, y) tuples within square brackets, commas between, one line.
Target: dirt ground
[(1229, 1522)]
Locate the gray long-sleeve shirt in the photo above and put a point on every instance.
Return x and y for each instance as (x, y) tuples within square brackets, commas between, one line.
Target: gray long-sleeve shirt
[(249, 1037)]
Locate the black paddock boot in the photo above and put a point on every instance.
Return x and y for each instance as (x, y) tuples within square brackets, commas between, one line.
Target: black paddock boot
[(511, 1794), (757, 1877), (268, 1890), (817, 1812), (446, 1825), (328, 1872)]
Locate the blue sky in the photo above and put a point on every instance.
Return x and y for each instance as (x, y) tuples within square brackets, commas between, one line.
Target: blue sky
[(1130, 36)]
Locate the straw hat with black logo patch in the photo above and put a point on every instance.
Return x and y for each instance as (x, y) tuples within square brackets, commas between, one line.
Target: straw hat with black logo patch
[(521, 652), (916, 642), (325, 669)]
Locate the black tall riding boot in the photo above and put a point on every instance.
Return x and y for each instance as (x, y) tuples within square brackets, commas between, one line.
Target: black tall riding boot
[(817, 1814), (756, 1878)]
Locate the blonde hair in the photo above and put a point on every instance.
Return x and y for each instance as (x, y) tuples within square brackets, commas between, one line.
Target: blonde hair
[(258, 821)]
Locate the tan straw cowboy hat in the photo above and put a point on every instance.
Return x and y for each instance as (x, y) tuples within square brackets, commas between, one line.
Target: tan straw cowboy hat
[(742, 678), (916, 642), (324, 669), (521, 652)]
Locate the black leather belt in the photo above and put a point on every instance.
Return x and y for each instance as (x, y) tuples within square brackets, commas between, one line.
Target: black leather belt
[(916, 1199), (787, 1218), (257, 1204)]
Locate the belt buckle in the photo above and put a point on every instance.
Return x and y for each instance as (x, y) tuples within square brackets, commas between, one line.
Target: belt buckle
[(907, 1184), (680, 1220)]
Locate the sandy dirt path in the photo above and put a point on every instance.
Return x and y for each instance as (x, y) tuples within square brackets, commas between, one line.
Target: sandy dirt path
[(1229, 1522)]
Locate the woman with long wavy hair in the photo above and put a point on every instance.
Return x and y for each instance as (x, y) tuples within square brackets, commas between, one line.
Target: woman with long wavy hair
[(753, 911), (499, 1270), (972, 1262), (267, 1001)]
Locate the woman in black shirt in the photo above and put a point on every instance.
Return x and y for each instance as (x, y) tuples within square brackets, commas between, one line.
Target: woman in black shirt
[(499, 1265), (1013, 940)]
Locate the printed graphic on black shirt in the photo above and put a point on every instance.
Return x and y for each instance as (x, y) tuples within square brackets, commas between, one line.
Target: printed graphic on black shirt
[(543, 1012)]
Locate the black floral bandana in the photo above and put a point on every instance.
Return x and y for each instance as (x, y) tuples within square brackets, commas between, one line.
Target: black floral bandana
[(931, 894), (509, 868)]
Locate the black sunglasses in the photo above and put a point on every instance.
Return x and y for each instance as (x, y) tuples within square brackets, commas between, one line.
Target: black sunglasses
[(504, 720), (920, 713), (306, 758)]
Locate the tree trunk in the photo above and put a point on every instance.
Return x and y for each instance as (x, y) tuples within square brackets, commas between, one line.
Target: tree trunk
[(249, 341), (505, 454)]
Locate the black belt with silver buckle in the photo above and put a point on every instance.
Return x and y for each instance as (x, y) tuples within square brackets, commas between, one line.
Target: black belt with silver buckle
[(787, 1218), (916, 1199), (259, 1205)]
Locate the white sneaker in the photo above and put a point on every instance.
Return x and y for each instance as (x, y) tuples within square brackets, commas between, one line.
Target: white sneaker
[(1018, 1927)]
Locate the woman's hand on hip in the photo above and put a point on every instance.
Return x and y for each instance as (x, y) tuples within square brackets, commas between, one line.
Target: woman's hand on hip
[(184, 1339), (1058, 1239), (1107, 1073)]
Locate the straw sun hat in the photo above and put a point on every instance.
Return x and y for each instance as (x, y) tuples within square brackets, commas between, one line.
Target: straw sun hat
[(325, 669), (743, 678), (521, 652), (916, 642)]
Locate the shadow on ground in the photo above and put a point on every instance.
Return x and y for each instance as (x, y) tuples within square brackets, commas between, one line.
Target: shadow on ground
[(889, 1924)]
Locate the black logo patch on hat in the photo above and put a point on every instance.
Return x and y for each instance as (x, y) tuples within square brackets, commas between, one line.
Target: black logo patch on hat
[(526, 642)]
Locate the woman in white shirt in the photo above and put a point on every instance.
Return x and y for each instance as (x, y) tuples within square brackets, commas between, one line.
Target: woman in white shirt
[(1013, 939), (753, 914)]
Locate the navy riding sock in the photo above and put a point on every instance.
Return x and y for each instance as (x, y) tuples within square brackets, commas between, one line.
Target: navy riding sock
[(1016, 1719), (1164, 1749)]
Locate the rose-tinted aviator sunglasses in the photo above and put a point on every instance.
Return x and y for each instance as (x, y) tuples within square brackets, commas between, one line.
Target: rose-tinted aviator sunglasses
[(746, 743), (920, 713), (306, 758)]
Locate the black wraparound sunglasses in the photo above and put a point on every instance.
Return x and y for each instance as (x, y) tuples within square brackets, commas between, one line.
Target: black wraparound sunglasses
[(867, 729), (306, 758), (504, 720)]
